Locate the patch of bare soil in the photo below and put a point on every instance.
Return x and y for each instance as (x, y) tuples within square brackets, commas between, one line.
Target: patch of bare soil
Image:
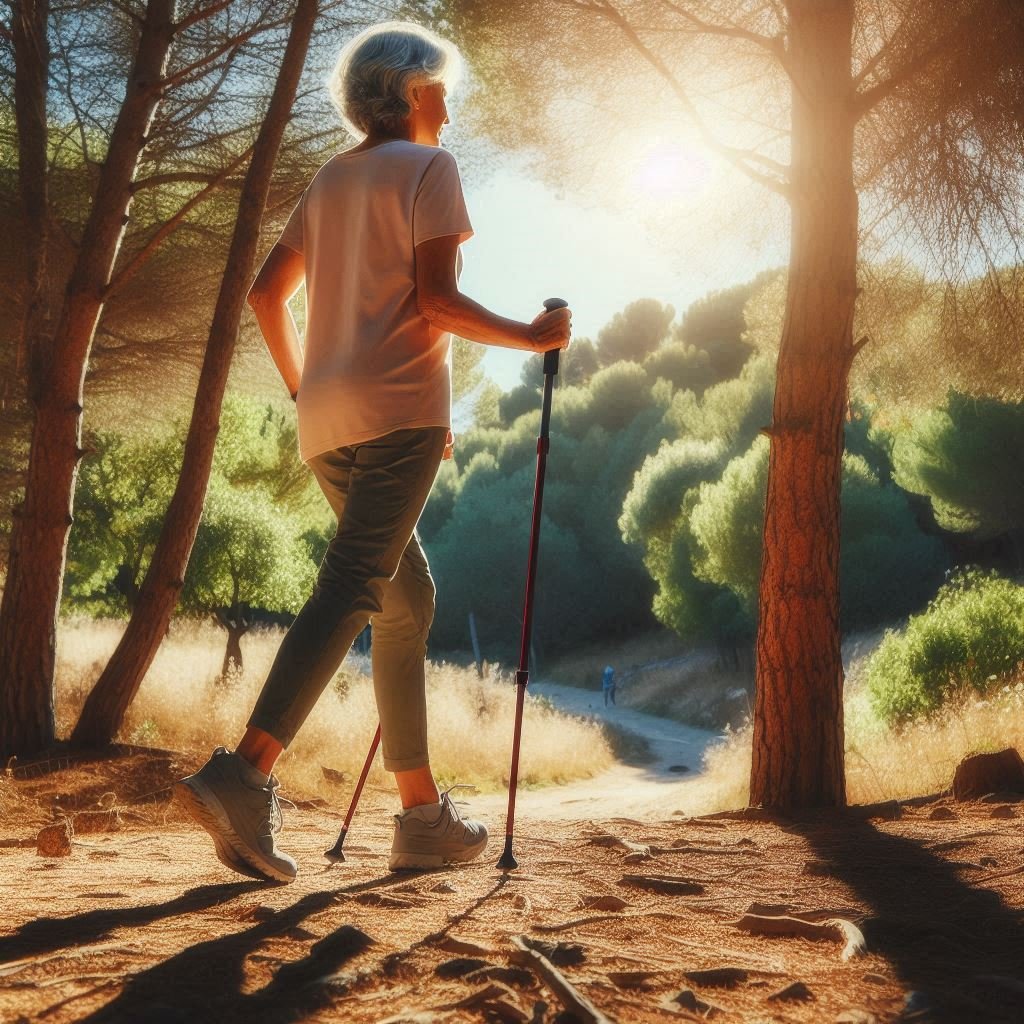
[(828, 919)]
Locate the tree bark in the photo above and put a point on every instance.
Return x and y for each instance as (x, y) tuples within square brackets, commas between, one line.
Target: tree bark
[(233, 652), (31, 599), (106, 705), (798, 713)]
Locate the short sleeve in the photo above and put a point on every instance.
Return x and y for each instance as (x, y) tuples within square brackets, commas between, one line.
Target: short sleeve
[(440, 207), (291, 236)]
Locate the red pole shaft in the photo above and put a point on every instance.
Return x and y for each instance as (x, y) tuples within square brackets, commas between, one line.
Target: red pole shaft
[(523, 673), (362, 777)]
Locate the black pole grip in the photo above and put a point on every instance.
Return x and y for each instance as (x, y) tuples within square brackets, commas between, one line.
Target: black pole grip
[(551, 357)]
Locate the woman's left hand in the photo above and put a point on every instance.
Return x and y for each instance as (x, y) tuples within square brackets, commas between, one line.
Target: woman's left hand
[(449, 444)]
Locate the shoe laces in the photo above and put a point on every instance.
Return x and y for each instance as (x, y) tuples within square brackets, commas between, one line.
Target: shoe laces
[(274, 821), (451, 803)]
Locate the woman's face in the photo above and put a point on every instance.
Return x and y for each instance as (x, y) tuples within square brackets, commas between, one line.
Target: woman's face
[(431, 116)]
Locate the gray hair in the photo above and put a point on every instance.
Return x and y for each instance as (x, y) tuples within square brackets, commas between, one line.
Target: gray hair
[(371, 80)]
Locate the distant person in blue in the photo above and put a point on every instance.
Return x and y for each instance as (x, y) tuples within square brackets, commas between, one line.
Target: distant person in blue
[(608, 685)]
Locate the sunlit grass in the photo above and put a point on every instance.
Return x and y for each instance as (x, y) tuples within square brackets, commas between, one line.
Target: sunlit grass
[(181, 706), (884, 763)]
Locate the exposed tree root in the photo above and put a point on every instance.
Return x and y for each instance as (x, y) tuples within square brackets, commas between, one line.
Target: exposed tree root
[(834, 928)]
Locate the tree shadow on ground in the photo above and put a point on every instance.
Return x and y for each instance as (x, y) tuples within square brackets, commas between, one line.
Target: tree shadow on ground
[(957, 947), (46, 934), (206, 981)]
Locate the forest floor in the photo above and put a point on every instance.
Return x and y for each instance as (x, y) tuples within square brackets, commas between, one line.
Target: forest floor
[(629, 900)]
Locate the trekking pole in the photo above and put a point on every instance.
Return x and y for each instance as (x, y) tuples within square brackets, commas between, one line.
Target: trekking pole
[(508, 861), (335, 854)]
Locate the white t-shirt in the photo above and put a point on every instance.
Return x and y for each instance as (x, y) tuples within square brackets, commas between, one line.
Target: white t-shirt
[(372, 363)]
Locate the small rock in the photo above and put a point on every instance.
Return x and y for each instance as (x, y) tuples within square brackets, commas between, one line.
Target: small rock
[(717, 977), (522, 902), (988, 862), (459, 966), (445, 887), (796, 990), (333, 776), (54, 840), (1002, 811), (942, 814), (979, 774), (856, 1017)]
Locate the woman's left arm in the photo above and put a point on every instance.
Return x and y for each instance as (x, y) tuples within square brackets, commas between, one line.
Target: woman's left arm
[(278, 280)]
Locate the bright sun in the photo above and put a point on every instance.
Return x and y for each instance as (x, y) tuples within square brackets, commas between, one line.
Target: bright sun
[(669, 170)]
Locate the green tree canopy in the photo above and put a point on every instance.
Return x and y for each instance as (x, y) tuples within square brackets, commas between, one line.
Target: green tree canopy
[(967, 457), (635, 332)]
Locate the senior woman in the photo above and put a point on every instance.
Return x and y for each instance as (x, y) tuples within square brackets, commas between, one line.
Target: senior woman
[(375, 236)]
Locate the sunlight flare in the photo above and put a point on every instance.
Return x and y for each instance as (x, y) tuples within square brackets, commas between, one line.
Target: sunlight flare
[(667, 170)]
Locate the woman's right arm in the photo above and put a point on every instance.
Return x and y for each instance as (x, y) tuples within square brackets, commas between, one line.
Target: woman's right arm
[(438, 298)]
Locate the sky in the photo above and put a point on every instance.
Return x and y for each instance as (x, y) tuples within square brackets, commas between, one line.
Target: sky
[(530, 245)]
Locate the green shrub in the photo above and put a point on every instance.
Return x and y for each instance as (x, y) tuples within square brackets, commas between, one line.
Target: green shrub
[(971, 637)]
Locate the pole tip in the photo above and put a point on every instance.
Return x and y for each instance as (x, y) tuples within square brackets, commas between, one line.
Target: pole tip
[(508, 862), (335, 854)]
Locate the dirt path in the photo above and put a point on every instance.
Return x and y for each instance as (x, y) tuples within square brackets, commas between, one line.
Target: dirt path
[(138, 922), (647, 792)]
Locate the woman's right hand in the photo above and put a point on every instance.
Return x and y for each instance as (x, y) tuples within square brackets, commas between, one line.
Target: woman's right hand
[(551, 329)]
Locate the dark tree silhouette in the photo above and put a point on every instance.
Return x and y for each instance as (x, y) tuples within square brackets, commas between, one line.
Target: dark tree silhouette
[(109, 700)]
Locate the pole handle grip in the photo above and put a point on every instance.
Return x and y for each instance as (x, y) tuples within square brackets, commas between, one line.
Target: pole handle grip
[(551, 357)]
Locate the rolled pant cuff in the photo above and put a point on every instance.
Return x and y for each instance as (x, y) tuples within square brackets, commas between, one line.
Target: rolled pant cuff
[(406, 764), (272, 729)]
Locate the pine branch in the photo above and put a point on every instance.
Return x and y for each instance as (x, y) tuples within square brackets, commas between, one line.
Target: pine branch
[(739, 158), (772, 44)]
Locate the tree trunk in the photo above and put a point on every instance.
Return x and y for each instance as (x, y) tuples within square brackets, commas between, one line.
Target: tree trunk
[(106, 705), (31, 600), (233, 653), (798, 713)]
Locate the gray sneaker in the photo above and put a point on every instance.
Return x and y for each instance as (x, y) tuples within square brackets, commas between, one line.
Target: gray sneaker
[(242, 814), (433, 834)]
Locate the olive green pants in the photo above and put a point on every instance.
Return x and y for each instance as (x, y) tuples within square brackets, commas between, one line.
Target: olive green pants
[(374, 571)]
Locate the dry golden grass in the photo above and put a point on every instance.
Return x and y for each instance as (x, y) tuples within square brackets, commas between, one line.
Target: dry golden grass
[(883, 763), (182, 706)]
